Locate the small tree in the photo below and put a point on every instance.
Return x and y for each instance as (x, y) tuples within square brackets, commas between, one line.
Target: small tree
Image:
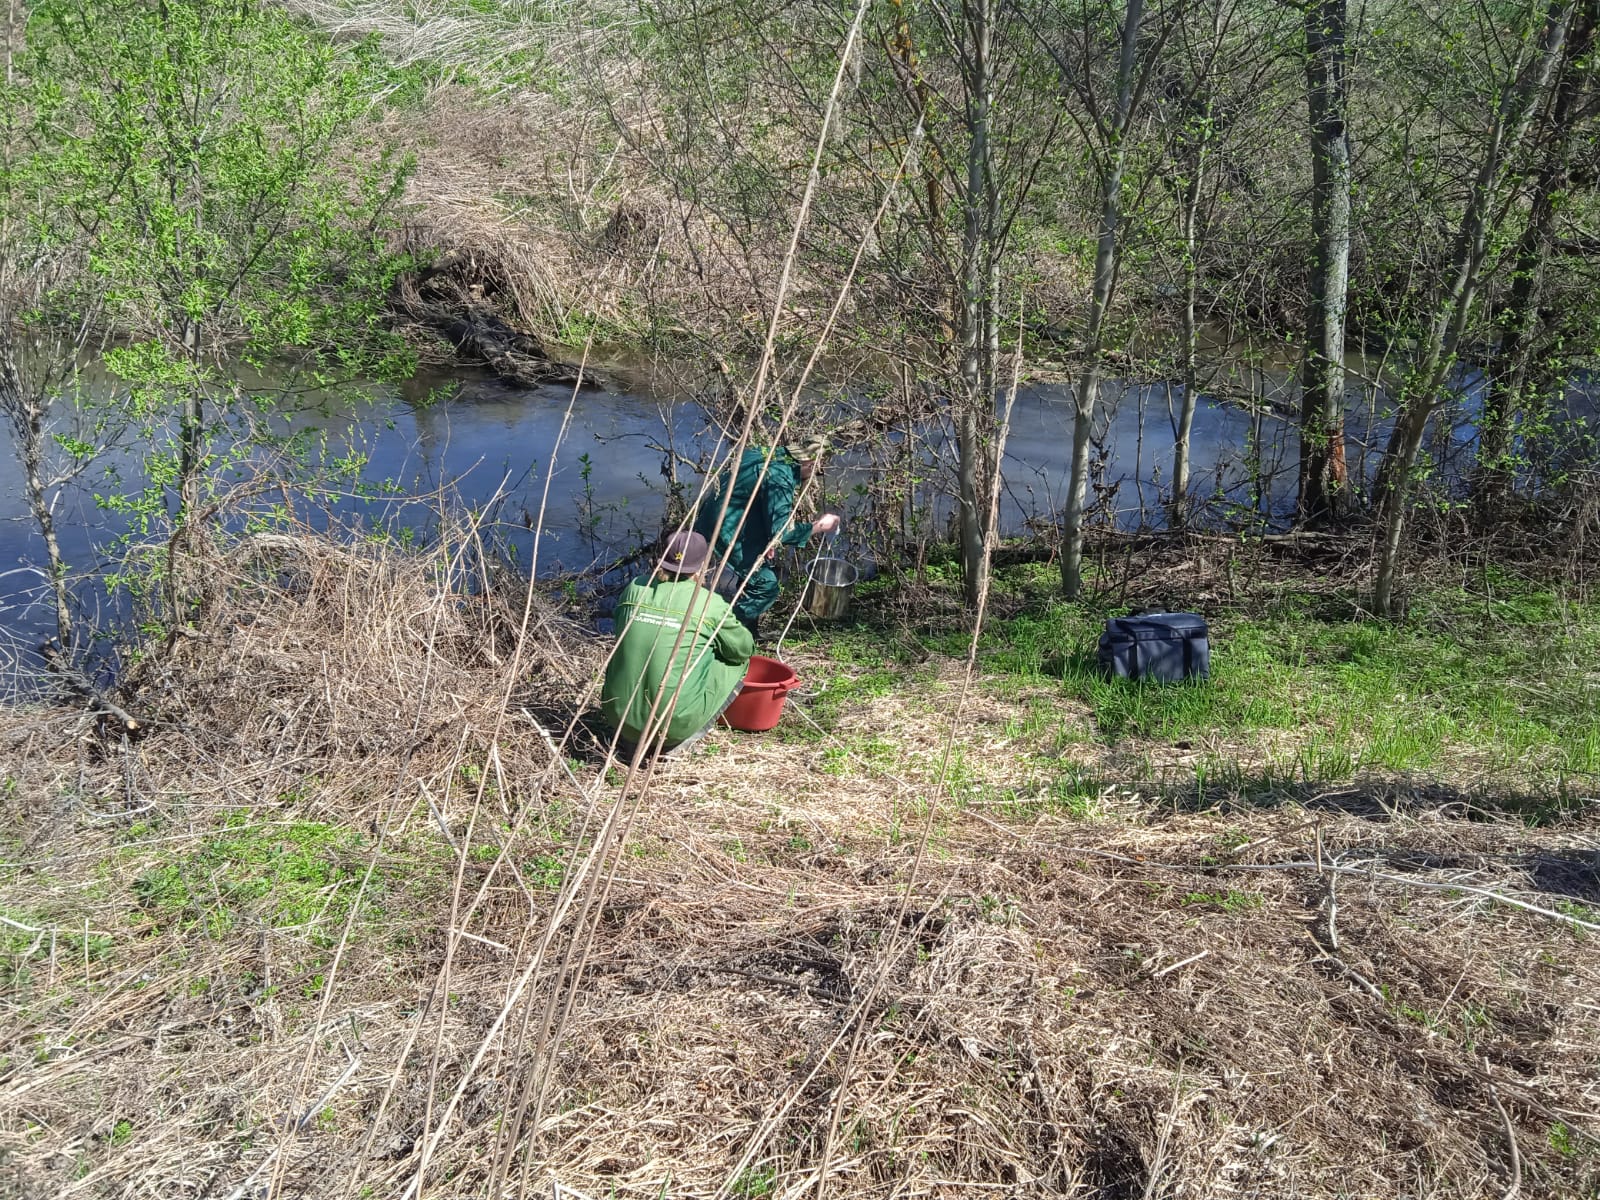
[(213, 162), (40, 363), (40, 359), (1219, 87), (1521, 91), (1110, 107), (1528, 315)]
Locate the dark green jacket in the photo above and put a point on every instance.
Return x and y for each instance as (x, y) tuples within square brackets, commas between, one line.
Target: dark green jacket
[(710, 660), (769, 505)]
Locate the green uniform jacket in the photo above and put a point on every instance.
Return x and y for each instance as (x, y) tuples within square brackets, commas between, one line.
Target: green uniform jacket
[(710, 659), (769, 506)]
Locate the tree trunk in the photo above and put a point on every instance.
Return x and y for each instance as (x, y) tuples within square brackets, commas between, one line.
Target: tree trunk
[(1419, 394), (1087, 393), (1504, 400), (977, 305), (191, 449), (1322, 465), (25, 406), (1188, 217), (1197, 143)]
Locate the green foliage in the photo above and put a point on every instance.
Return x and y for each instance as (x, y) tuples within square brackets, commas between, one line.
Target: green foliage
[(756, 1182), (1563, 1141), (214, 160), (301, 876), (545, 871), (214, 167)]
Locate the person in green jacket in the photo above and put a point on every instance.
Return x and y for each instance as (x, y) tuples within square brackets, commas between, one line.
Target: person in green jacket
[(656, 651), (765, 505)]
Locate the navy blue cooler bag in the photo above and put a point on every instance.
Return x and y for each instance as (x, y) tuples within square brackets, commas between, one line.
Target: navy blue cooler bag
[(1168, 647)]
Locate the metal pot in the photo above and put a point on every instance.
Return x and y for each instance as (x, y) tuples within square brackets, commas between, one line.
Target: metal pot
[(832, 580)]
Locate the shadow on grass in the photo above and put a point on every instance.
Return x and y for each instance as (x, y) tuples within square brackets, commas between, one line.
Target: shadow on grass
[(1373, 799), (1574, 874), (1570, 874)]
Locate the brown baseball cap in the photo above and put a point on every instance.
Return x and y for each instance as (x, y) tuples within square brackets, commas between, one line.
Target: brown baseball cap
[(685, 554)]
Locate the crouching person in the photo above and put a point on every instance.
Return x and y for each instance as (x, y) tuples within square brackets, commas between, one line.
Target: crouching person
[(652, 660)]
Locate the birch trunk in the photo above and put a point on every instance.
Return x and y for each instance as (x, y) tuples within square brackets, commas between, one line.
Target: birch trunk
[(1087, 393), (1188, 218), (1322, 465)]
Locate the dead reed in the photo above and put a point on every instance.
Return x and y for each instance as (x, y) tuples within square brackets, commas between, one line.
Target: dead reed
[(304, 932)]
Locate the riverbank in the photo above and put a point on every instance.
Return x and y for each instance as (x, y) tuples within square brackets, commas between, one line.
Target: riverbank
[(1321, 928)]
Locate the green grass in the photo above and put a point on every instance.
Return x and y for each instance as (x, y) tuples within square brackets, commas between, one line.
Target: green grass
[(21, 949), (300, 877), (1072, 791), (855, 681), (1513, 686), (1499, 680), (859, 756), (1232, 902)]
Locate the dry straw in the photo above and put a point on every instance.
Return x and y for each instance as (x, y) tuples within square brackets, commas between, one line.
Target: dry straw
[(1046, 1007), (518, 967)]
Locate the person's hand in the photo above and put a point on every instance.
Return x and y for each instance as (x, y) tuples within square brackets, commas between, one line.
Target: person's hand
[(826, 523)]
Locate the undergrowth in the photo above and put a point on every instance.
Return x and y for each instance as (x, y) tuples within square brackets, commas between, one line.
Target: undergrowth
[(181, 1007), (1497, 683)]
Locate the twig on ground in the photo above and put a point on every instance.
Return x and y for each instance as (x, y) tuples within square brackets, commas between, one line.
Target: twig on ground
[(1177, 966), (1511, 1136)]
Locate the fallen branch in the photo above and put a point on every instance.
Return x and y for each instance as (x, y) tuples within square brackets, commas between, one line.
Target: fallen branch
[(1193, 958), (322, 1101), (55, 657)]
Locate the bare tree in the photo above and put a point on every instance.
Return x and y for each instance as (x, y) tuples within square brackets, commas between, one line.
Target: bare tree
[(1322, 372), (1108, 132), (980, 285), (1194, 159), (1218, 71), (1424, 389)]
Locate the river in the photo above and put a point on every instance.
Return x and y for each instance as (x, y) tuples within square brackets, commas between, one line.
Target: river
[(485, 439)]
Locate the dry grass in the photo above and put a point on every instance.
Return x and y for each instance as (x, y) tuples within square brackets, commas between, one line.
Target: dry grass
[(497, 43), (547, 217), (553, 183), (231, 967)]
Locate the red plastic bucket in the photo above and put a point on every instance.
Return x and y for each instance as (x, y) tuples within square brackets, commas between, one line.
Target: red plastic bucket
[(760, 701)]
